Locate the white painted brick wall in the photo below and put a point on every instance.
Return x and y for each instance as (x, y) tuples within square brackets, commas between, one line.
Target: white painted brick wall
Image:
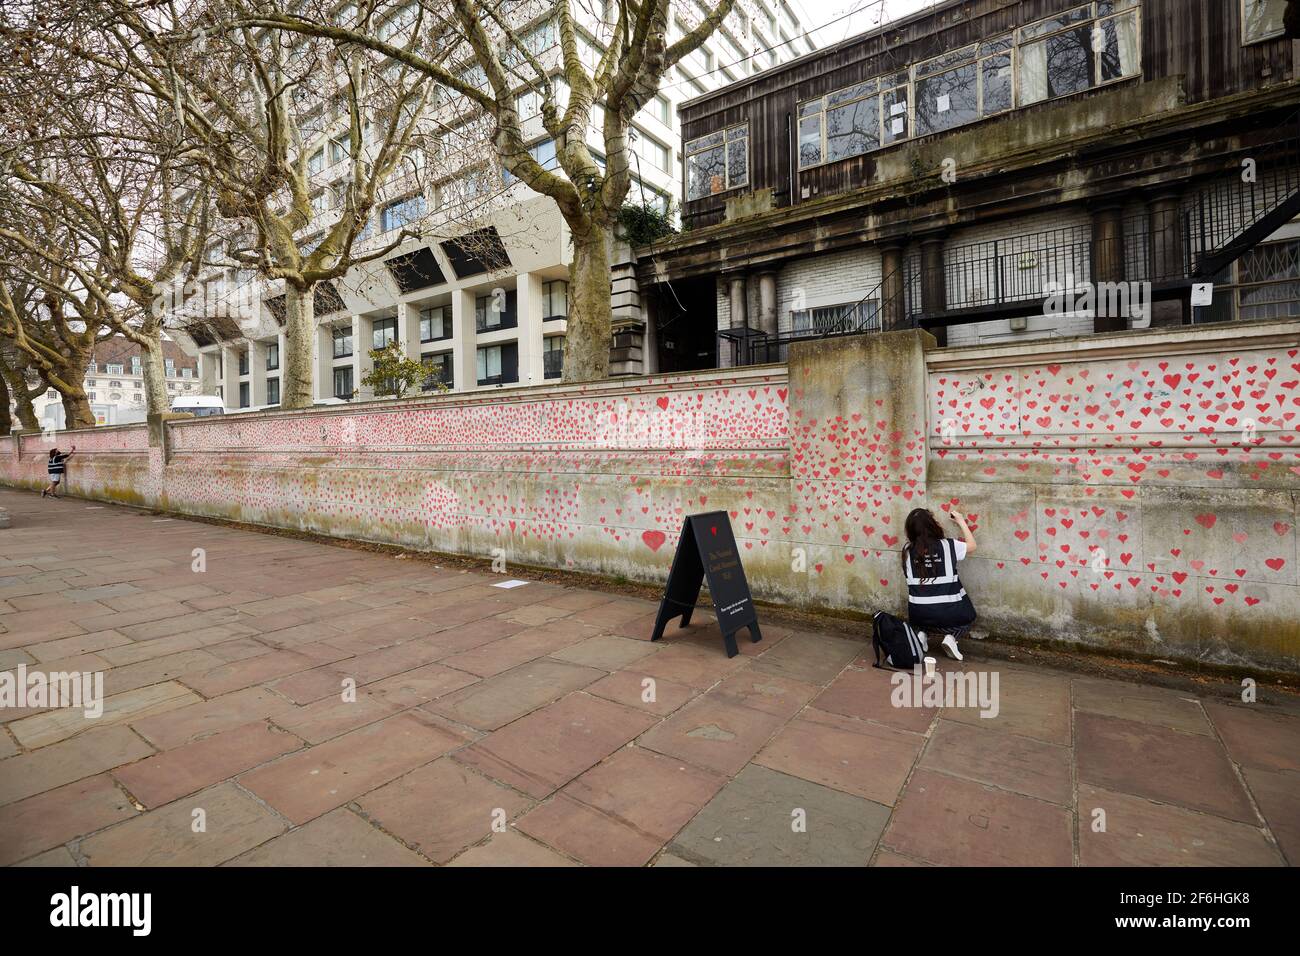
[(1038, 326), (839, 278)]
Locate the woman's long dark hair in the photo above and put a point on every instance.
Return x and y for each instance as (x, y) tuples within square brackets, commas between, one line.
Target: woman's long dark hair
[(53, 452), (923, 537)]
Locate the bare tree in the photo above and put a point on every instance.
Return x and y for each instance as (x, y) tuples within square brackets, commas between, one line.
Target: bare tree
[(92, 167), (255, 101), (49, 328), (619, 80)]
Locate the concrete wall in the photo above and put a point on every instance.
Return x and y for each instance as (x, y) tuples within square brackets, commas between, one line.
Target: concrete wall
[(1135, 491)]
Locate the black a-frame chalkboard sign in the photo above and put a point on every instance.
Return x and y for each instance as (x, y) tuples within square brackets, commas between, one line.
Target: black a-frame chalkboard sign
[(708, 548)]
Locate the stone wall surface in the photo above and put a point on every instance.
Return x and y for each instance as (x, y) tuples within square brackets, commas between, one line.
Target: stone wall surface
[(1135, 491)]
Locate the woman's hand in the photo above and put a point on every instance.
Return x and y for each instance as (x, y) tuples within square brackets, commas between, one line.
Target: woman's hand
[(960, 520)]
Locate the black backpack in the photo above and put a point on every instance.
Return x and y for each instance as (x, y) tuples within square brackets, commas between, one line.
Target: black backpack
[(894, 641)]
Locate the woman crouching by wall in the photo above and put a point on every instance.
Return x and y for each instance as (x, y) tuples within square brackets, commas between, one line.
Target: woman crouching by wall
[(936, 601)]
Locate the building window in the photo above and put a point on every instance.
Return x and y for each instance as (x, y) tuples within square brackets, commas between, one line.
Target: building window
[(555, 300), (316, 162), (947, 91), (343, 382), (1089, 45), (135, 365), (1268, 278), (650, 150), (187, 373), (717, 162), (114, 384), (661, 110), (342, 341), (400, 213), (861, 316), (495, 311), (53, 394), (553, 356), (169, 365), (498, 364), (1263, 284), (114, 369), (243, 362), (435, 324), (272, 356), (384, 331), (1262, 19), (243, 395), (92, 367), (273, 391), (543, 152), (440, 367)]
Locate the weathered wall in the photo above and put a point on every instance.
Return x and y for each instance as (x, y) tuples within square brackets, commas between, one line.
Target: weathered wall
[(1136, 490)]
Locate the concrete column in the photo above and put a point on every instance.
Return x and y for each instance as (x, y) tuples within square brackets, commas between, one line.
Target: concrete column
[(832, 380), (257, 353), (1108, 259), (363, 340), (650, 348), (323, 362), (767, 318), (934, 291), (209, 371), (893, 312), (408, 329), (464, 357), (230, 376), (739, 305), (279, 373), (1168, 257), (528, 309)]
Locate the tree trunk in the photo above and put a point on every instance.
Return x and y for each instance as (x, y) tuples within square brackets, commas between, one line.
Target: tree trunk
[(6, 421), (155, 378), (76, 410), (590, 330), (14, 379), (27, 419), (296, 385)]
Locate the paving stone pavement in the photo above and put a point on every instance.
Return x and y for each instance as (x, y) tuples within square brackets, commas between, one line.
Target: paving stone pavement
[(323, 705)]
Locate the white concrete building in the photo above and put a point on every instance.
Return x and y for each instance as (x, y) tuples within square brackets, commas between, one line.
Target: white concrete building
[(489, 310)]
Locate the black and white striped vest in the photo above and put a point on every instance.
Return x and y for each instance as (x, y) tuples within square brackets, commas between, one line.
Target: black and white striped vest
[(937, 582)]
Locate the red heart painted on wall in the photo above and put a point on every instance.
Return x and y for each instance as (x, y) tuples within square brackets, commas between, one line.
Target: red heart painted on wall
[(654, 539)]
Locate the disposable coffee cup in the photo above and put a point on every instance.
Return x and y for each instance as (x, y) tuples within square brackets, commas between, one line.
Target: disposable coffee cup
[(930, 664)]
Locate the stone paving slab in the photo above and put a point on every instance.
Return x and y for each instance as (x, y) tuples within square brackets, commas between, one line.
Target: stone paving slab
[(328, 706)]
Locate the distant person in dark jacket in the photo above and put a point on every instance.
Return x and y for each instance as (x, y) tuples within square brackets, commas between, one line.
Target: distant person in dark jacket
[(55, 469), (936, 600)]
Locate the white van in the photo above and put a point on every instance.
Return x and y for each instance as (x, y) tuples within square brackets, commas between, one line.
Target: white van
[(200, 406)]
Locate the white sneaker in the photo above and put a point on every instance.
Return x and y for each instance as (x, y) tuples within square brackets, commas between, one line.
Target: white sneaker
[(949, 644), (920, 636)]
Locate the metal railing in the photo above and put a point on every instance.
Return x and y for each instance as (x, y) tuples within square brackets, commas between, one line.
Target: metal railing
[(888, 298)]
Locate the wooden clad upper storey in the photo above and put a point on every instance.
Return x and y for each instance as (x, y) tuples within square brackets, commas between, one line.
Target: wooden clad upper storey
[(817, 125)]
